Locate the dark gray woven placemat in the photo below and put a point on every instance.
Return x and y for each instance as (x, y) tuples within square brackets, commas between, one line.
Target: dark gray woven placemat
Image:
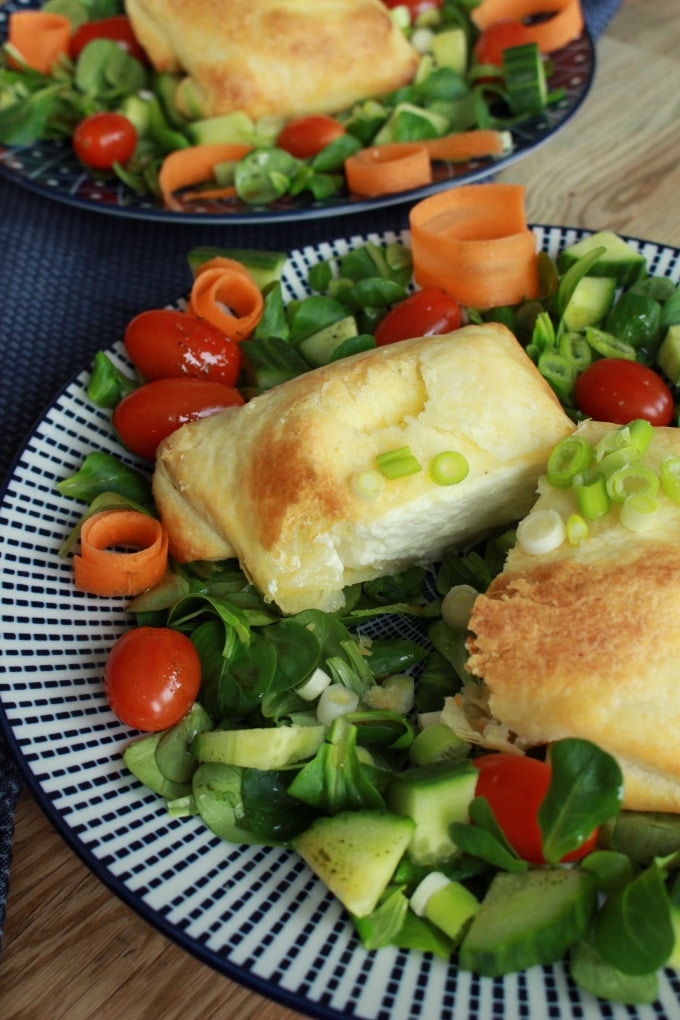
[(71, 279)]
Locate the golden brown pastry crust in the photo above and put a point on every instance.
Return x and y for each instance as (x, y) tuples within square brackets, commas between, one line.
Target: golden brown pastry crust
[(275, 57), (271, 482), (584, 641)]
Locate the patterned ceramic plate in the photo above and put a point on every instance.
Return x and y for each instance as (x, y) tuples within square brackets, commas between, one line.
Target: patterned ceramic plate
[(256, 915), (51, 169)]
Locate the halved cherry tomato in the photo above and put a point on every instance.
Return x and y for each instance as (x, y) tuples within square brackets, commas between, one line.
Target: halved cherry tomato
[(306, 136), (152, 677), (163, 343), (617, 390), (154, 410), (415, 7), (499, 36), (514, 787), (117, 28), (427, 312), (103, 139)]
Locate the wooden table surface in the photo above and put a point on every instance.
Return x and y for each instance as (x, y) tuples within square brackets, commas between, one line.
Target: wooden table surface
[(72, 950)]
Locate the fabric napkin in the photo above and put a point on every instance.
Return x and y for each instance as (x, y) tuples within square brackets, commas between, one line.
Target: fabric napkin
[(598, 14), (71, 279)]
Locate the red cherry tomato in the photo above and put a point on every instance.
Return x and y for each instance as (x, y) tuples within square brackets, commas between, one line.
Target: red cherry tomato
[(306, 136), (499, 36), (514, 787), (427, 312), (152, 677), (616, 390), (152, 412), (415, 7), (164, 343), (117, 28), (103, 139)]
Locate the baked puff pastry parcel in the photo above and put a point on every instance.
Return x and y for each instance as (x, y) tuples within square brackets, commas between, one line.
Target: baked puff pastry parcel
[(273, 482), (584, 641), (274, 57)]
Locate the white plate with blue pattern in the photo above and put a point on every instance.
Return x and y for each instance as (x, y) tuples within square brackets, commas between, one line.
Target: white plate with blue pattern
[(254, 914)]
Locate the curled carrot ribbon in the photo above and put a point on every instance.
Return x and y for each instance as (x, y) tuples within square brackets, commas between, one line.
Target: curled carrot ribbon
[(39, 37), (465, 145), (227, 296), (386, 169), (474, 243), (403, 166), (122, 552), (195, 165), (564, 24)]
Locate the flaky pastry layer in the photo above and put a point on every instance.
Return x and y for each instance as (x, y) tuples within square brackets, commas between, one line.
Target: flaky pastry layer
[(275, 57), (272, 482), (584, 641)]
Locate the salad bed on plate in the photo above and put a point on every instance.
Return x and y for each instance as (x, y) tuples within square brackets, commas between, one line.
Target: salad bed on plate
[(306, 732), (472, 88)]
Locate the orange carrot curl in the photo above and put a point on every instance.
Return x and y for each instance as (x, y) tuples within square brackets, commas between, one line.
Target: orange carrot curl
[(122, 552), (225, 294), (195, 165), (474, 243), (564, 24), (466, 145), (387, 169), (39, 37)]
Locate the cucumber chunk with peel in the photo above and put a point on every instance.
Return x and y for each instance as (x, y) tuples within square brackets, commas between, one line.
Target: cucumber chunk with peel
[(434, 796), (318, 348), (450, 49), (270, 747), (620, 259), (668, 357), (592, 298), (528, 918), (355, 854), (140, 759)]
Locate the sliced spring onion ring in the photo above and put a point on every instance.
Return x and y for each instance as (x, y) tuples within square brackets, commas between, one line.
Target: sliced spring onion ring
[(640, 433), (335, 701), (559, 372), (457, 605), (397, 463), (616, 460), (314, 686), (634, 438), (420, 896), (571, 457), (449, 468), (367, 484), (631, 480), (591, 495), (607, 345), (541, 532), (577, 529), (670, 477), (577, 352), (638, 512), (395, 694)]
